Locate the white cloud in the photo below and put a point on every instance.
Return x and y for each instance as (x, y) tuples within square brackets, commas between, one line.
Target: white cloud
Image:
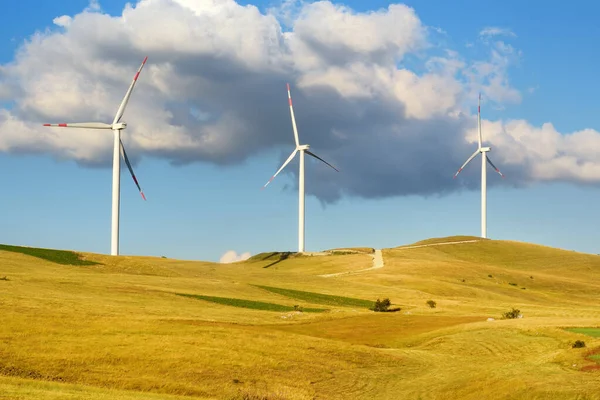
[(496, 31), (231, 256), (93, 5), (63, 20), (214, 91), (491, 76)]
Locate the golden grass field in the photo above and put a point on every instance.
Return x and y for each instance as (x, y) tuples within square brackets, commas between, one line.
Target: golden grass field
[(120, 329)]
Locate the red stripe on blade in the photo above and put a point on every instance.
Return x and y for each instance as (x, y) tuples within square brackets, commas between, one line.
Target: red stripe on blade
[(47, 124), (63, 125)]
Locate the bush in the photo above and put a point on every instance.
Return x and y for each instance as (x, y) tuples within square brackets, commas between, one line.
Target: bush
[(431, 303), (512, 284), (490, 276), (298, 308), (4, 278), (578, 344), (384, 306), (512, 314)]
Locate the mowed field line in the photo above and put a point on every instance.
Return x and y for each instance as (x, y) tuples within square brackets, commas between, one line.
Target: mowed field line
[(378, 257)]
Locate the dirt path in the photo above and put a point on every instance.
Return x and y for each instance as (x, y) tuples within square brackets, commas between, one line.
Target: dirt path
[(377, 263), (437, 244), (378, 257)]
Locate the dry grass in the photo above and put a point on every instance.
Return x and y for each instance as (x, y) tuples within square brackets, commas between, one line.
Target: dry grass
[(118, 330)]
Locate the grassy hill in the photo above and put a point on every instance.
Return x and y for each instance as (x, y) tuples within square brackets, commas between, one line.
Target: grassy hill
[(88, 326)]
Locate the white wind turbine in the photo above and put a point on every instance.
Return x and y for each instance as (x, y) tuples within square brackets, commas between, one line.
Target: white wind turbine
[(484, 158), (116, 127), (302, 148)]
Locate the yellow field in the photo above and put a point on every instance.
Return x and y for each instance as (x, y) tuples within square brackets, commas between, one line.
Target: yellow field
[(120, 329)]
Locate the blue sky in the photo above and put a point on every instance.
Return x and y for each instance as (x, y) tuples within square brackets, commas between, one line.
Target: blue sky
[(201, 210)]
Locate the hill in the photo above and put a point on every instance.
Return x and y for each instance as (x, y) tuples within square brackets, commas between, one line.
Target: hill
[(272, 327)]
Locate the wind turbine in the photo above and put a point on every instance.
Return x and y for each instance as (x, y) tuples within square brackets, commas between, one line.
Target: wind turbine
[(117, 126), (302, 148), (484, 158)]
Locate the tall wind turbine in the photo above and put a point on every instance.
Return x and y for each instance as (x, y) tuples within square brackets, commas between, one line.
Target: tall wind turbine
[(302, 148), (117, 126), (484, 158)]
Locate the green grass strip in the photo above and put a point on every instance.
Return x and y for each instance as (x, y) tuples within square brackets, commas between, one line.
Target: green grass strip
[(56, 256), (319, 298), (595, 332), (254, 305)]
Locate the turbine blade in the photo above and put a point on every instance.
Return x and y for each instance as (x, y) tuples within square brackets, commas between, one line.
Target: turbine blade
[(124, 154), (293, 118), (282, 167), (466, 162), (479, 120), (87, 125), (493, 166), (319, 158), (128, 94)]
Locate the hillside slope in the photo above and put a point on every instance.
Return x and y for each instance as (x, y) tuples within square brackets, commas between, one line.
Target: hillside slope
[(101, 327)]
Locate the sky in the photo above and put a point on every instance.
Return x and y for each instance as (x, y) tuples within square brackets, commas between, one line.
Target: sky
[(386, 92)]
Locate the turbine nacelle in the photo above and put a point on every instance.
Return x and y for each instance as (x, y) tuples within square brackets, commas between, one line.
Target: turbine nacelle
[(303, 147), (485, 149), (119, 126)]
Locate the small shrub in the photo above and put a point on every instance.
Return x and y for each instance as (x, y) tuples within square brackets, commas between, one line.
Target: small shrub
[(462, 280), (4, 278), (512, 314), (523, 288), (490, 276), (298, 308), (578, 344), (431, 303), (384, 306), (531, 277), (512, 284)]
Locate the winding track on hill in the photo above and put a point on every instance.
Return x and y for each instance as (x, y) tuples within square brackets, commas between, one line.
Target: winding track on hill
[(378, 257)]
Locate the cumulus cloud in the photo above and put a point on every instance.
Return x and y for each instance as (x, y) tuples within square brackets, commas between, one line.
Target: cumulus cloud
[(214, 91), (231, 256)]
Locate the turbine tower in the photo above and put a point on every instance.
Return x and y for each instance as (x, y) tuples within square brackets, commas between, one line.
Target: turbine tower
[(117, 126), (484, 158), (302, 148)]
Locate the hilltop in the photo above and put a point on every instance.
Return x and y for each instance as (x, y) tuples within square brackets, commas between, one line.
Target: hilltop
[(286, 326)]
